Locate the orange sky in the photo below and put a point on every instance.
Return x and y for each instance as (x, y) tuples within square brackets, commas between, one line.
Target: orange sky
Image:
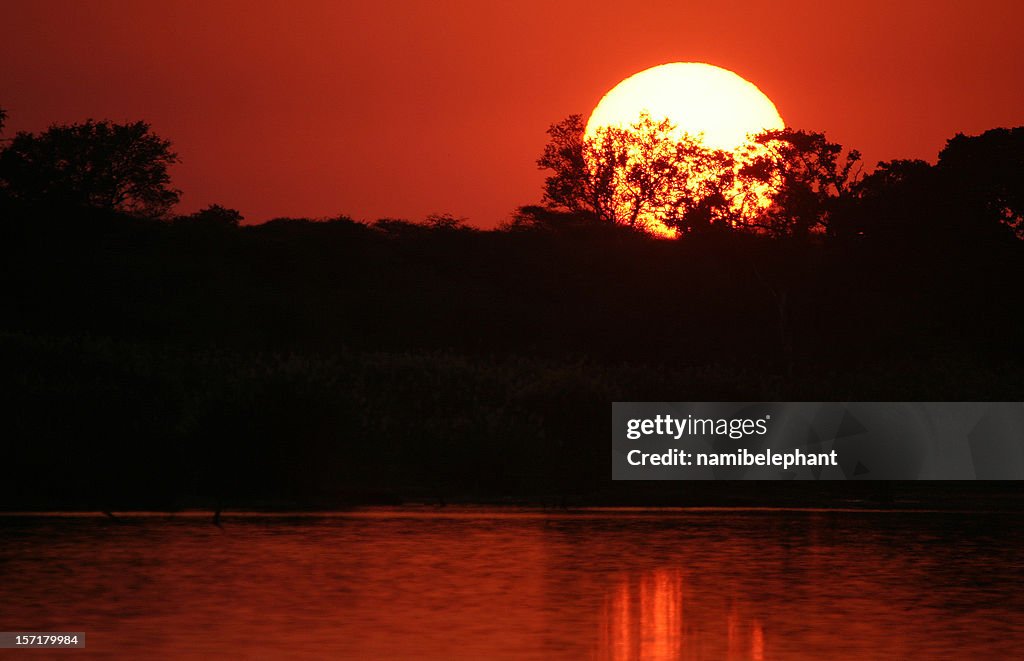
[(402, 108)]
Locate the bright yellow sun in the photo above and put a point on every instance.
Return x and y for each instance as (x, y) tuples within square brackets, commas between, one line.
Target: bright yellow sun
[(699, 99)]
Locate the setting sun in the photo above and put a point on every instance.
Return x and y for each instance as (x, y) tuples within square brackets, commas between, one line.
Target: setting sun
[(697, 98), (713, 106)]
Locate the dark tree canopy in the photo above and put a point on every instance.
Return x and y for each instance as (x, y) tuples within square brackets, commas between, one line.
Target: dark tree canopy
[(899, 200), (975, 192), (99, 164), (890, 176), (986, 174)]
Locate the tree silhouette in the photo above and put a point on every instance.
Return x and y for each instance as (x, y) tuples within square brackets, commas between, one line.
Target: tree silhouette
[(635, 172), (568, 187), (645, 176), (900, 199), (974, 192), (710, 194), (813, 181), (985, 176), (103, 165)]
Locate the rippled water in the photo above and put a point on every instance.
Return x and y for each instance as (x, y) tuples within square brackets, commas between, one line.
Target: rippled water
[(493, 584)]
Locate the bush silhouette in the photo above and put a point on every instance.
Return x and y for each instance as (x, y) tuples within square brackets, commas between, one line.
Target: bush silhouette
[(212, 216)]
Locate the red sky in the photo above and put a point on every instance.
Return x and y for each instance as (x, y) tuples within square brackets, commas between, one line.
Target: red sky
[(400, 108)]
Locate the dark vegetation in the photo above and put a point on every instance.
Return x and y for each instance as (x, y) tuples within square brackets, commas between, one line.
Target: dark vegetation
[(159, 361)]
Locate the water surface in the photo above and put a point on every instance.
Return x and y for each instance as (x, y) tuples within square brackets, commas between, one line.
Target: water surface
[(523, 584)]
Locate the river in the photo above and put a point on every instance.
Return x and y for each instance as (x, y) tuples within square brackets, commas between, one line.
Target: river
[(497, 583)]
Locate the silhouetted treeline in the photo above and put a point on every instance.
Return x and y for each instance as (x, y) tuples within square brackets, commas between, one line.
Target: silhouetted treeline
[(784, 183), (551, 288), (154, 363)]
